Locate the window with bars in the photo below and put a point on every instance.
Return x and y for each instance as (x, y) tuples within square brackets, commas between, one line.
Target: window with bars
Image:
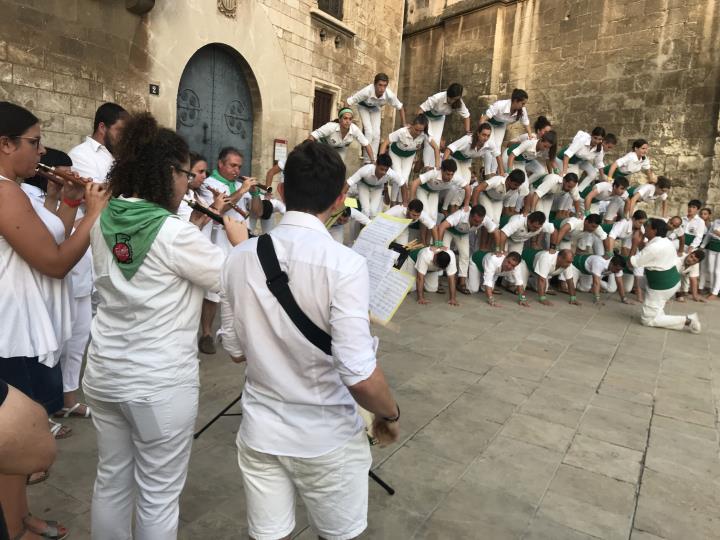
[(332, 7)]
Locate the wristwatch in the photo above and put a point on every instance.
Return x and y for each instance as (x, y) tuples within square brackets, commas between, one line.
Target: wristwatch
[(393, 418)]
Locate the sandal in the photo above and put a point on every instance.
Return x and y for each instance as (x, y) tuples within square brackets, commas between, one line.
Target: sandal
[(51, 532), (42, 476), (463, 289), (59, 431), (67, 412)]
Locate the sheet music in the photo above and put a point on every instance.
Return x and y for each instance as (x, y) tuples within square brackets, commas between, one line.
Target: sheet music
[(390, 293), (383, 229)]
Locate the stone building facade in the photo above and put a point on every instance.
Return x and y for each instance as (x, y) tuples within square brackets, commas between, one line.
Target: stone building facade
[(640, 68), (62, 58)]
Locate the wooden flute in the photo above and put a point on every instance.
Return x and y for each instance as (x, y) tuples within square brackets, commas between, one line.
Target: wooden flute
[(203, 210), (59, 177), (217, 193)]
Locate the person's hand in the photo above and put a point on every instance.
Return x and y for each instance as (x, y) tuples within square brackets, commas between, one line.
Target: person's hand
[(237, 231), (453, 302), (73, 190), (54, 190), (199, 219), (96, 198), (248, 184), (466, 208), (385, 432), (423, 301)]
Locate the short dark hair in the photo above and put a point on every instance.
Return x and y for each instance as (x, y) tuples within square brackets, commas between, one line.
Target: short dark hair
[(696, 203), (663, 182), (196, 158), (314, 177), (621, 181), (455, 90), (518, 94), (15, 120), (482, 127), (146, 155), (384, 160), (566, 252), (598, 131), (421, 119), (571, 177), (595, 219), (448, 165), (610, 138), (108, 114), (699, 254), (416, 205), (517, 175), (514, 256), (478, 210), (225, 151), (658, 225), (442, 259), (541, 123), (617, 260), (639, 214), (637, 143), (381, 77), (706, 209), (536, 217)]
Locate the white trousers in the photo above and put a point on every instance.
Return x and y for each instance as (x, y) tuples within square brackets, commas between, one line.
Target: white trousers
[(73, 351), (474, 278), (497, 135), (462, 242), (493, 208), (430, 202), (713, 266), (653, 310), (615, 209), (431, 278), (371, 119), (371, 199), (143, 454), (402, 166), (435, 131)]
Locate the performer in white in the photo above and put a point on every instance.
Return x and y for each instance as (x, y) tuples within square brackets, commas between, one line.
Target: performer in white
[(414, 211), (521, 229), (711, 243), (341, 133), (587, 273), (689, 267), (370, 100), (583, 235), (552, 187), (647, 193), (436, 108), (486, 268), (428, 186), (693, 225), (632, 162), (539, 266), (372, 180), (497, 192), (429, 263), (501, 114), (659, 259), (604, 194)]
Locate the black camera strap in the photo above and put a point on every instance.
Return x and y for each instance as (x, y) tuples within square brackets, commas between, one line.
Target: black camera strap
[(279, 284)]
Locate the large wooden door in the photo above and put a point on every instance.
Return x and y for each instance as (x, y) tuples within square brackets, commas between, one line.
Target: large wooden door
[(214, 106)]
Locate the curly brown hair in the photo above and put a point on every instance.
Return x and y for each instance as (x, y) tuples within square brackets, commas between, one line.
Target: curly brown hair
[(146, 154)]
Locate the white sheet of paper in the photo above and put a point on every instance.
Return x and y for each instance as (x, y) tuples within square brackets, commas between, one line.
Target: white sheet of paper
[(387, 297), (383, 229)]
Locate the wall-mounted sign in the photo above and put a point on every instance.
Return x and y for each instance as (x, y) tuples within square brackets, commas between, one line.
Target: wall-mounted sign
[(280, 150)]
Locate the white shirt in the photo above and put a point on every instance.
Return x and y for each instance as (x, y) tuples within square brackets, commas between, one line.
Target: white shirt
[(406, 142), (689, 271), (401, 212), (599, 266), (366, 175), (658, 254), (91, 160), (460, 220), (630, 163), (464, 146), (712, 233), (552, 185), (517, 229), (367, 98), (675, 234), (581, 148), (34, 308), (330, 134), (144, 335), (545, 265), (528, 150), (496, 188), (500, 112), (621, 229), (295, 400), (437, 105), (696, 227), (433, 181), (492, 269), (604, 192), (425, 264), (647, 193), (577, 229)]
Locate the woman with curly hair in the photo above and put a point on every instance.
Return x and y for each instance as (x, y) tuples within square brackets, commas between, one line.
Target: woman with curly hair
[(141, 378)]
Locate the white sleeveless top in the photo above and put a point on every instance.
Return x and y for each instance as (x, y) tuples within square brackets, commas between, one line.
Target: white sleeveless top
[(34, 308)]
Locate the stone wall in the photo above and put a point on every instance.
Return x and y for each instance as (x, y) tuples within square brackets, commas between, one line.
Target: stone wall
[(62, 58), (645, 68)]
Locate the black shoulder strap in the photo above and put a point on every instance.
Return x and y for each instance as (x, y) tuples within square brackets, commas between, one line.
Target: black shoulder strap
[(278, 283)]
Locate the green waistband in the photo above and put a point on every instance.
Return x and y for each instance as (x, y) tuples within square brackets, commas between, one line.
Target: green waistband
[(607, 227), (573, 159), (478, 257), (585, 192), (631, 190), (414, 253), (661, 280), (368, 106), (395, 149), (536, 184), (459, 156), (714, 245), (689, 238), (453, 230), (579, 263), (431, 114), (528, 255), (504, 219), (513, 147), (618, 172), (372, 186), (496, 122)]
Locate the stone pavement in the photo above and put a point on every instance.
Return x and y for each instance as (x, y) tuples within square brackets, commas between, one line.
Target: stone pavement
[(558, 423)]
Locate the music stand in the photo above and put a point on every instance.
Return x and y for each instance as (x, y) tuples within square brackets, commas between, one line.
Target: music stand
[(389, 489)]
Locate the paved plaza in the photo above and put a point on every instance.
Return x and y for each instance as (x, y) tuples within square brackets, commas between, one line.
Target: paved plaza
[(556, 423)]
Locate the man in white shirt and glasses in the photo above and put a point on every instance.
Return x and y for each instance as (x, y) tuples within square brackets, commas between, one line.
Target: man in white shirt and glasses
[(301, 431)]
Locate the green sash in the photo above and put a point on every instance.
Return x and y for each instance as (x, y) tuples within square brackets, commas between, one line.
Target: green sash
[(129, 229), (585, 192), (478, 257), (453, 230), (528, 255), (513, 147), (459, 156), (579, 263), (400, 152), (689, 238), (607, 227), (496, 122), (368, 106), (713, 245), (631, 190), (662, 280), (504, 219), (434, 116), (536, 184), (573, 159), (618, 172), (414, 254)]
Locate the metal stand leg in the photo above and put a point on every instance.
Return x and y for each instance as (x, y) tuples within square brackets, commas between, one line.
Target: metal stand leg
[(217, 416), (382, 483)]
